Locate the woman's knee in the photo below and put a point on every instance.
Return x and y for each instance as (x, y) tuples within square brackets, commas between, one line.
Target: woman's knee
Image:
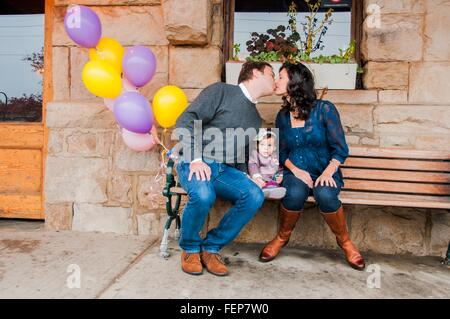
[(295, 198), (327, 198)]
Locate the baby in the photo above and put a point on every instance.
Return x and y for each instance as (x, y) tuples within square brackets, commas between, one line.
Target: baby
[(264, 167)]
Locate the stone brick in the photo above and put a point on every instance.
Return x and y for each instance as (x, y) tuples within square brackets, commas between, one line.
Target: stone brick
[(393, 97), (397, 141), (58, 216), (412, 119), (192, 94), (389, 230), (436, 29), (60, 74), (80, 115), (259, 230), (386, 75), (352, 139), (78, 92), (158, 81), (188, 21), (126, 159), (398, 39), (370, 141), (98, 218), (55, 141), (217, 24), (119, 189), (184, 61), (356, 118), (75, 179), (351, 96), (82, 143), (430, 83), (130, 25), (440, 232), (268, 113), (433, 142), (309, 230), (149, 192), (399, 6), (149, 224)]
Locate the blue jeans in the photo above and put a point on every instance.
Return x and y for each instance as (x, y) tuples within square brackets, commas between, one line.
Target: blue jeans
[(228, 183), (297, 193)]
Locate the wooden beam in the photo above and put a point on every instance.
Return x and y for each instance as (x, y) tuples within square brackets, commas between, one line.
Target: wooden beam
[(48, 85)]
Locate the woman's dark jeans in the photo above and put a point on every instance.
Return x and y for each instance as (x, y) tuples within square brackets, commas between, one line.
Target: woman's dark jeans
[(297, 193)]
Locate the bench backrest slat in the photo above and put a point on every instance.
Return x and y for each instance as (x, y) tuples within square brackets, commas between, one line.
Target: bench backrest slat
[(397, 171)]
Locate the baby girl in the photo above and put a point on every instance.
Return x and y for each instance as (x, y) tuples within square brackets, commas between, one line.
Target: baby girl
[(264, 167)]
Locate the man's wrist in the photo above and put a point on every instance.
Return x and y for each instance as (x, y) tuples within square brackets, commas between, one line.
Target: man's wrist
[(199, 159)]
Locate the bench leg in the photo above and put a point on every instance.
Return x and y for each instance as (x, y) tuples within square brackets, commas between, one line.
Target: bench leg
[(163, 248), (446, 260), (173, 214)]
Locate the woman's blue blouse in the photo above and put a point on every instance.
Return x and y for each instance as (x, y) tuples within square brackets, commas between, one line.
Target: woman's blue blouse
[(312, 147)]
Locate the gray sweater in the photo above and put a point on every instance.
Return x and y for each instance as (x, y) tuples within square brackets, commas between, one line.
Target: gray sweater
[(219, 107)]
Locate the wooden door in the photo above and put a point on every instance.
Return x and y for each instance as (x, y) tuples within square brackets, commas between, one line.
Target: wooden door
[(22, 120)]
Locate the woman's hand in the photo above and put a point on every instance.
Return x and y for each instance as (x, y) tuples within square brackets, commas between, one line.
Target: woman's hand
[(325, 180), (303, 176)]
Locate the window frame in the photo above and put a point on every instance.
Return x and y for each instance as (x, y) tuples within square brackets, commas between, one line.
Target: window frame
[(356, 31)]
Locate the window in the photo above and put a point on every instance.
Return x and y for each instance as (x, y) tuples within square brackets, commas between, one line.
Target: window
[(243, 17), (21, 60)]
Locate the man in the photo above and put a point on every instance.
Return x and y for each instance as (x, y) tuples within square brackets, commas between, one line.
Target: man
[(207, 175)]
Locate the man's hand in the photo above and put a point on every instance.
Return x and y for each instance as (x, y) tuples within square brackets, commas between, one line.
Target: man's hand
[(201, 170)]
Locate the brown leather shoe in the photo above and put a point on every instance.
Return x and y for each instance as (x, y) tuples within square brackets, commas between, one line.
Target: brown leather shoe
[(288, 219), (191, 264), (214, 263), (338, 225)]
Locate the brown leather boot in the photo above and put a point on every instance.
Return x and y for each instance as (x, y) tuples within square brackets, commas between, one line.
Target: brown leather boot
[(190, 263), (288, 219), (214, 263), (338, 225)]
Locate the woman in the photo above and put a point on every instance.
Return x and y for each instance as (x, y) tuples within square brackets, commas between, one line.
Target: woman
[(312, 146)]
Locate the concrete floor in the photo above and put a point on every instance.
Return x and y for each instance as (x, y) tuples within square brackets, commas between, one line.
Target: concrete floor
[(35, 263)]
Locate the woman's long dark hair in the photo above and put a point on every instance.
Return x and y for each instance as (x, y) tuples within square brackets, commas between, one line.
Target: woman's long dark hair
[(300, 89)]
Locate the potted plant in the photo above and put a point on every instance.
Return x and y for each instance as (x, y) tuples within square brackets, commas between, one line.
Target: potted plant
[(276, 46)]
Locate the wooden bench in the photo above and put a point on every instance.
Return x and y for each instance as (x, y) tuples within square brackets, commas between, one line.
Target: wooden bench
[(372, 176)]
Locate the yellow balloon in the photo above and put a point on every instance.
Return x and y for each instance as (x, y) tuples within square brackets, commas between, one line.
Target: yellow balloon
[(102, 79), (108, 50), (168, 104)]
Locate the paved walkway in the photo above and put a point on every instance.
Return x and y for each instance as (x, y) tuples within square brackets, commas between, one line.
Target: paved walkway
[(39, 264)]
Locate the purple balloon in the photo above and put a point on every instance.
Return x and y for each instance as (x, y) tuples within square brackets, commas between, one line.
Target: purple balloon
[(83, 26), (133, 112), (139, 65)]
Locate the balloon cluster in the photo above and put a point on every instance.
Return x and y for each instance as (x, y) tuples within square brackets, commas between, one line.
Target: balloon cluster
[(116, 74)]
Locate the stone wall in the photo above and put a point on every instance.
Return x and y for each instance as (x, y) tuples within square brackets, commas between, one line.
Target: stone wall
[(94, 183)]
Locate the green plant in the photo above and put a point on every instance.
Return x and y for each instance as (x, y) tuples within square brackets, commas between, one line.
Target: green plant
[(278, 45), (236, 50)]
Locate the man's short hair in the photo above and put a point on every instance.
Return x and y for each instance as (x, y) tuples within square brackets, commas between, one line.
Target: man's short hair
[(248, 67)]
